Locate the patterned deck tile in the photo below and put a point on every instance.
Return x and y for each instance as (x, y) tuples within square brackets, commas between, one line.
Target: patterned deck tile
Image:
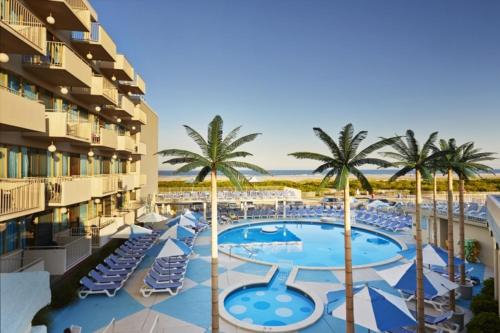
[(316, 276), (252, 268)]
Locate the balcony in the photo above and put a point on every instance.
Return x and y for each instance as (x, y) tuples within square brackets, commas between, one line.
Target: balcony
[(105, 138), (97, 42), (126, 182), (126, 143), (65, 191), (59, 126), (101, 91), (21, 32), (125, 108), (139, 180), (140, 148), (68, 14), (20, 112), (61, 66), (102, 228), (103, 185), (15, 262), (120, 68), (20, 197), (70, 251), (136, 87), (139, 116)]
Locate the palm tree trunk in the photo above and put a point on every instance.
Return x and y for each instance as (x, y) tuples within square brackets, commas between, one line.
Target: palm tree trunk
[(462, 231), (451, 263), (419, 257), (348, 261), (215, 254), (434, 195)]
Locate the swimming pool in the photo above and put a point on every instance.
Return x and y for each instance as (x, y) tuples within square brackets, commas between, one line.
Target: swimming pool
[(307, 244), (273, 304)]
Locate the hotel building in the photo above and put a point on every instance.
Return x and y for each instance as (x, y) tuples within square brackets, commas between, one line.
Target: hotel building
[(77, 138)]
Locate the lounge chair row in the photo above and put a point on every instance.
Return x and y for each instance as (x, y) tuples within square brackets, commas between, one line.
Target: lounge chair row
[(387, 221), (110, 276)]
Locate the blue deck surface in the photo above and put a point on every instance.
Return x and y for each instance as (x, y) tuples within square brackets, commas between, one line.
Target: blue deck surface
[(192, 304)]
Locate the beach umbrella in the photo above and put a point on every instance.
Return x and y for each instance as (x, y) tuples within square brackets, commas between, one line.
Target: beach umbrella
[(186, 222), (436, 256), (174, 247), (178, 231), (151, 218), (131, 231), (404, 277), (193, 216), (377, 310)]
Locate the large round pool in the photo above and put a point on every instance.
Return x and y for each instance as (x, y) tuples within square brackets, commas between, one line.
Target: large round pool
[(309, 244)]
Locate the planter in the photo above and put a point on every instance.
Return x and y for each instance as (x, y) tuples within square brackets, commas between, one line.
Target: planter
[(466, 291), (458, 317)]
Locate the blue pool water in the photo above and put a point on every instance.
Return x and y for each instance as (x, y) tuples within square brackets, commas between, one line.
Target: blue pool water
[(307, 244), (271, 304)]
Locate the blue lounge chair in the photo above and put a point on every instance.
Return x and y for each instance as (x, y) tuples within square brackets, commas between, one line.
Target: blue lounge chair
[(163, 278), (102, 278), (151, 286), (110, 271), (113, 265), (91, 287)]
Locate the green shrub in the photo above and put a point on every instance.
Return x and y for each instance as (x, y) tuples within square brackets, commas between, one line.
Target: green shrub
[(488, 287), (486, 322), (483, 303), (472, 250)]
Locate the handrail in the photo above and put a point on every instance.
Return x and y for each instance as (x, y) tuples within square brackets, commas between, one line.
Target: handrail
[(76, 5), (24, 196), (22, 94), (92, 36), (23, 21)]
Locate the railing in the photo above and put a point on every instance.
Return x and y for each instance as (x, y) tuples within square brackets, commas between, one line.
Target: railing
[(54, 57), (20, 18), (109, 183), (109, 90), (76, 4), (200, 194), (76, 249), (79, 130), (13, 265), (92, 36), (29, 95), (54, 187), (17, 195)]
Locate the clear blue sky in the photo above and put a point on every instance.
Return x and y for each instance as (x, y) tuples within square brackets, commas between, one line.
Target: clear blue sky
[(281, 67)]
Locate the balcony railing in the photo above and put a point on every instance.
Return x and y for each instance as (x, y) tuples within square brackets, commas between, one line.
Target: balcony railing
[(59, 188), (79, 130), (109, 90), (22, 20), (18, 195), (54, 56), (77, 4), (92, 36)]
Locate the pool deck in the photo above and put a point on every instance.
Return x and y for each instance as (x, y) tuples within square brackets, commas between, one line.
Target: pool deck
[(189, 311)]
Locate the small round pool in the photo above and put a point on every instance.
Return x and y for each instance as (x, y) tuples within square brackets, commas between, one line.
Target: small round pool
[(308, 244), (272, 304)]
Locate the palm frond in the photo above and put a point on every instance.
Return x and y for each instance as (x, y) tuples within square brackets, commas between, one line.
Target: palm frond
[(311, 156), (362, 179), (428, 145), (245, 165), (182, 153), (373, 161), (332, 146), (356, 141), (202, 174), (214, 136), (401, 173), (240, 141), (341, 178), (374, 147), (236, 154), (179, 160), (190, 166), (236, 178), (198, 139), (345, 138)]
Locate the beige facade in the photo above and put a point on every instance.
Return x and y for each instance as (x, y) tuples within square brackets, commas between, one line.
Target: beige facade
[(493, 205), (76, 136)]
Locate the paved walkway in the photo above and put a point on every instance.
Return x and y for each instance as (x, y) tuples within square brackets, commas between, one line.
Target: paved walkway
[(189, 311)]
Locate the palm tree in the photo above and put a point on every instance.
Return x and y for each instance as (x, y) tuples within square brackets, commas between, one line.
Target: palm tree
[(410, 157), (448, 161), (435, 168), (467, 165), (217, 155), (345, 160)]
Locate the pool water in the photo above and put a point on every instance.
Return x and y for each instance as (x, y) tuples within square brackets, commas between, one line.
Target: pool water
[(307, 244), (271, 304)]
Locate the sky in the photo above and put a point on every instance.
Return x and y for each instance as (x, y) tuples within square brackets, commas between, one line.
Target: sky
[(282, 67)]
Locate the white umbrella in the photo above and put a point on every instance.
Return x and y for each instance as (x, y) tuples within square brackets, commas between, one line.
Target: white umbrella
[(404, 277), (151, 218), (437, 256), (377, 310), (186, 222), (177, 231), (174, 247), (190, 215), (131, 231)]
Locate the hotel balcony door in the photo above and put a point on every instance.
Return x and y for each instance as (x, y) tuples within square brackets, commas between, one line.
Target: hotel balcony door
[(107, 206), (74, 216), (74, 165)]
